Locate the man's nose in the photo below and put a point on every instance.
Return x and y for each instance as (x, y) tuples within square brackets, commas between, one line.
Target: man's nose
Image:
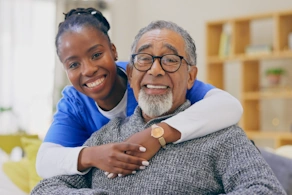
[(89, 68), (156, 68)]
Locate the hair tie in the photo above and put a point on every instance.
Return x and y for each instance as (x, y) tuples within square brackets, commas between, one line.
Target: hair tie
[(93, 12)]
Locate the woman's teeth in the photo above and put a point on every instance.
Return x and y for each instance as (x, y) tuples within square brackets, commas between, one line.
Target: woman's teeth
[(95, 83)]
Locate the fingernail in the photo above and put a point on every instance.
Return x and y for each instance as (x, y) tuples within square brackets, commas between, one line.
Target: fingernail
[(142, 149), (142, 167), (120, 175), (110, 175), (145, 163), (134, 172), (106, 173)]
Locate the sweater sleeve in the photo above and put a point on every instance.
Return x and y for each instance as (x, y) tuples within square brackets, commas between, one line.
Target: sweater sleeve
[(54, 159), (217, 110), (243, 169), (67, 185)]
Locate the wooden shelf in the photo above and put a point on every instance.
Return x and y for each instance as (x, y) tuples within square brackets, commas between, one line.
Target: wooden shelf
[(280, 138), (244, 57), (237, 33), (267, 95)]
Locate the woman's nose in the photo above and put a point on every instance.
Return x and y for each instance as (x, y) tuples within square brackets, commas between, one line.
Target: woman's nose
[(89, 68)]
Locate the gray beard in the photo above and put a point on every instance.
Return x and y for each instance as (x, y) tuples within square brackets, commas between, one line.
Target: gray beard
[(155, 105)]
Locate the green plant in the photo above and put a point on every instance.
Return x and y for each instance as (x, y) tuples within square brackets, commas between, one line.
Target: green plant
[(275, 71), (5, 109)]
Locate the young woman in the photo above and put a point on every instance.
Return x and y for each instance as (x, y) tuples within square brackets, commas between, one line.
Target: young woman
[(100, 92)]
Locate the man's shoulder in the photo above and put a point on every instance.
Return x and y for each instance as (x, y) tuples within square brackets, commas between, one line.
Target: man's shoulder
[(109, 133), (229, 133)]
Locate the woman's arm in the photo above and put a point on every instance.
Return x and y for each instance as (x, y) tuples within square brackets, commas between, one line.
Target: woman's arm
[(54, 159), (216, 111)]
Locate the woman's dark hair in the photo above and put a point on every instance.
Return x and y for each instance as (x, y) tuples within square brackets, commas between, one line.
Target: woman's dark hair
[(80, 17)]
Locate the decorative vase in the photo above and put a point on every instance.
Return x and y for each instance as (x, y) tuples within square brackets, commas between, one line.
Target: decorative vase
[(274, 79)]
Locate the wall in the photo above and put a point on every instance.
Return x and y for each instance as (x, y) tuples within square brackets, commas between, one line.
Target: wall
[(128, 16)]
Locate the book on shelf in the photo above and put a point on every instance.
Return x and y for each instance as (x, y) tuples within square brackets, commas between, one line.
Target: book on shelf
[(258, 49), (225, 41)]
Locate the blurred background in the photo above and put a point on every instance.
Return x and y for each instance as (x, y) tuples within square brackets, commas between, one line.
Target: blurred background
[(31, 76)]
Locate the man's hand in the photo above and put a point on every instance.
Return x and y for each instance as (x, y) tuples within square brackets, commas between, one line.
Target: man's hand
[(112, 158)]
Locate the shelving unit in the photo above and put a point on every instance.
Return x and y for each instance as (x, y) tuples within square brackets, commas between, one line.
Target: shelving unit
[(251, 93)]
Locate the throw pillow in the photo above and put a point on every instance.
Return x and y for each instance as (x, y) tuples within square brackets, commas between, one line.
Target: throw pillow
[(30, 147), (17, 172)]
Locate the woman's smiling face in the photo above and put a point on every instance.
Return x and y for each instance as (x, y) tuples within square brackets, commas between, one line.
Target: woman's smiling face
[(89, 61)]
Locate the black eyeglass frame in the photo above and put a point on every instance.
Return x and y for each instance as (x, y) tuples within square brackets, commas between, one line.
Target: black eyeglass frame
[(159, 57)]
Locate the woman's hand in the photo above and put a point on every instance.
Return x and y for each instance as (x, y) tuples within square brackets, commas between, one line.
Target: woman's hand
[(112, 158)]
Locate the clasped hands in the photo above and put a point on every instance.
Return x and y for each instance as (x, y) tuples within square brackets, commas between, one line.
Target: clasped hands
[(121, 159)]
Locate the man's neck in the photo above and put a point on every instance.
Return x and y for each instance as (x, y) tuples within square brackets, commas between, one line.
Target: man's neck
[(181, 108)]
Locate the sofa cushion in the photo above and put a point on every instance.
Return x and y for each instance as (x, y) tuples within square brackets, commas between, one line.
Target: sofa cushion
[(30, 147), (282, 168)]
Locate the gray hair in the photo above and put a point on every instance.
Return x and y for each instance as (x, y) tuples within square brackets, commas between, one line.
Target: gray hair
[(190, 47)]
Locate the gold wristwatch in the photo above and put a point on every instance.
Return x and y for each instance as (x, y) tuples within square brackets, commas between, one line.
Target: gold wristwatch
[(158, 132)]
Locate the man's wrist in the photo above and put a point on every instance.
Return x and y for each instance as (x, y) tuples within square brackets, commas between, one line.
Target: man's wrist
[(170, 134)]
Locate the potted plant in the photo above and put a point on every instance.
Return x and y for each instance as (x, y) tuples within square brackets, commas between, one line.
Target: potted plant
[(274, 75)]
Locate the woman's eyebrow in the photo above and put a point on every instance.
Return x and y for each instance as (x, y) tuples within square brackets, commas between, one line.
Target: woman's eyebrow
[(94, 47)]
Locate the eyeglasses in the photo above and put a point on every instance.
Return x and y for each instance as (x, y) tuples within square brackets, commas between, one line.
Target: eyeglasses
[(169, 62)]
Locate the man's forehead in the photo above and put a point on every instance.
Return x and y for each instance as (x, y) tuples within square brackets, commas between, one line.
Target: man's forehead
[(161, 38)]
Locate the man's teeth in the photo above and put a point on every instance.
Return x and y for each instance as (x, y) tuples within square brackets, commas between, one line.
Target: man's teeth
[(95, 83), (156, 86)]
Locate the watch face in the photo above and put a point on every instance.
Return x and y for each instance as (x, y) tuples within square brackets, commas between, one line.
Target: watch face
[(157, 132)]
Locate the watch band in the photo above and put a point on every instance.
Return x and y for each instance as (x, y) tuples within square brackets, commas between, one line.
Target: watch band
[(162, 142)]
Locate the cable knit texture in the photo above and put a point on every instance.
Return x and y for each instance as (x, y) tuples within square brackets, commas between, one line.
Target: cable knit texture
[(224, 162)]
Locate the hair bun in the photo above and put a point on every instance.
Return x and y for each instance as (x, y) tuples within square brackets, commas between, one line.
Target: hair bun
[(89, 11)]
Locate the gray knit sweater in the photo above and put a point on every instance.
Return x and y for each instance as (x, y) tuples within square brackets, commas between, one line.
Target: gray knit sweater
[(224, 162)]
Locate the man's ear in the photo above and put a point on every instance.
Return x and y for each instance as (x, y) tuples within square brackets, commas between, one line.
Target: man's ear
[(129, 70), (192, 76)]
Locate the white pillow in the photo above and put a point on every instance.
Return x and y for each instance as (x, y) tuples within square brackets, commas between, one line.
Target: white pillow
[(285, 151), (3, 156)]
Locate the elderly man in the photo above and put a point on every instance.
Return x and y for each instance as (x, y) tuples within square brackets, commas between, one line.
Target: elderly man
[(162, 69)]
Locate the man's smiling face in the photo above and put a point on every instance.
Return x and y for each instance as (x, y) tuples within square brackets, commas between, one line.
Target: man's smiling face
[(157, 82)]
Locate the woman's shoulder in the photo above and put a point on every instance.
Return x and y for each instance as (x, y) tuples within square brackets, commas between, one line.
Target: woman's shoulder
[(70, 91), (73, 97), (122, 64)]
